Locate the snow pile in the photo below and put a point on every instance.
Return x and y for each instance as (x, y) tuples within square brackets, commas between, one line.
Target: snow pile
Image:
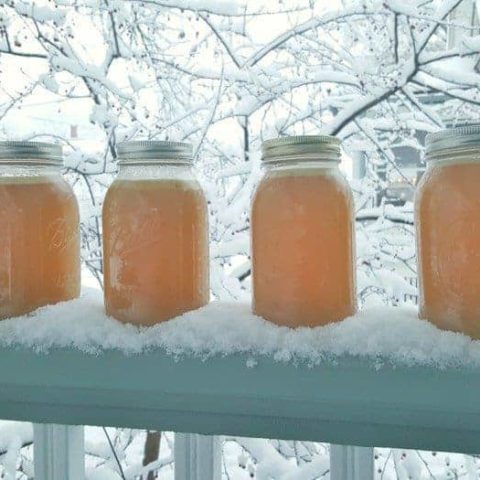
[(13, 437), (391, 334)]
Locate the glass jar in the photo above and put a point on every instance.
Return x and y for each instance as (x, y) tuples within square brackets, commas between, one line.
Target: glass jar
[(303, 251), (39, 229), (447, 217), (155, 235)]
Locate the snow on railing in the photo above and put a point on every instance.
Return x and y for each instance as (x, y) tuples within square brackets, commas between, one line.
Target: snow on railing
[(395, 334)]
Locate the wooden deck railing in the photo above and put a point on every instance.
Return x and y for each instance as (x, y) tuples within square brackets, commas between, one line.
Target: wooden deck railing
[(350, 401)]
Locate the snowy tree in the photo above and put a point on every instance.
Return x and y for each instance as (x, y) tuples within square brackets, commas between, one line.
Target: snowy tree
[(225, 76), (378, 74)]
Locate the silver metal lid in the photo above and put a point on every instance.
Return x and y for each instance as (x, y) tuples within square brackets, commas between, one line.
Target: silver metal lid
[(312, 147), (466, 137), (139, 152), (35, 153)]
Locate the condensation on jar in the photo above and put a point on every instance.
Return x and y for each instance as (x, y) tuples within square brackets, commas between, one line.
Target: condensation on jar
[(39, 229), (447, 217), (303, 253), (155, 235)]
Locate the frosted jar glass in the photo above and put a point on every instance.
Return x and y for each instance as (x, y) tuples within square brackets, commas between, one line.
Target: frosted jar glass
[(447, 218), (155, 235), (39, 229), (303, 251)]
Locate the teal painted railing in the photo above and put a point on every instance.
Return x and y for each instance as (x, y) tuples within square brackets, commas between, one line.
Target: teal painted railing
[(349, 401)]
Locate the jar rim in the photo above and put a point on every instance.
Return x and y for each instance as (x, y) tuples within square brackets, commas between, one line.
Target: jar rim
[(141, 152), (301, 147), (15, 152), (312, 158), (454, 141)]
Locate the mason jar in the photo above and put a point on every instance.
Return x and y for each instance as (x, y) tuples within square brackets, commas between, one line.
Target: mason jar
[(39, 229), (303, 253), (447, 217), (155, 235)]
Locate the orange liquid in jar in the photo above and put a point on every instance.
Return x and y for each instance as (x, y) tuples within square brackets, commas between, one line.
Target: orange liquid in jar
[(302, 249), (39, 244), (155, 250), (447, 214)]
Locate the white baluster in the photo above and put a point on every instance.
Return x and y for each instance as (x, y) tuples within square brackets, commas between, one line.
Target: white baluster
[(59, 452), (197, 457), (351, 463)]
